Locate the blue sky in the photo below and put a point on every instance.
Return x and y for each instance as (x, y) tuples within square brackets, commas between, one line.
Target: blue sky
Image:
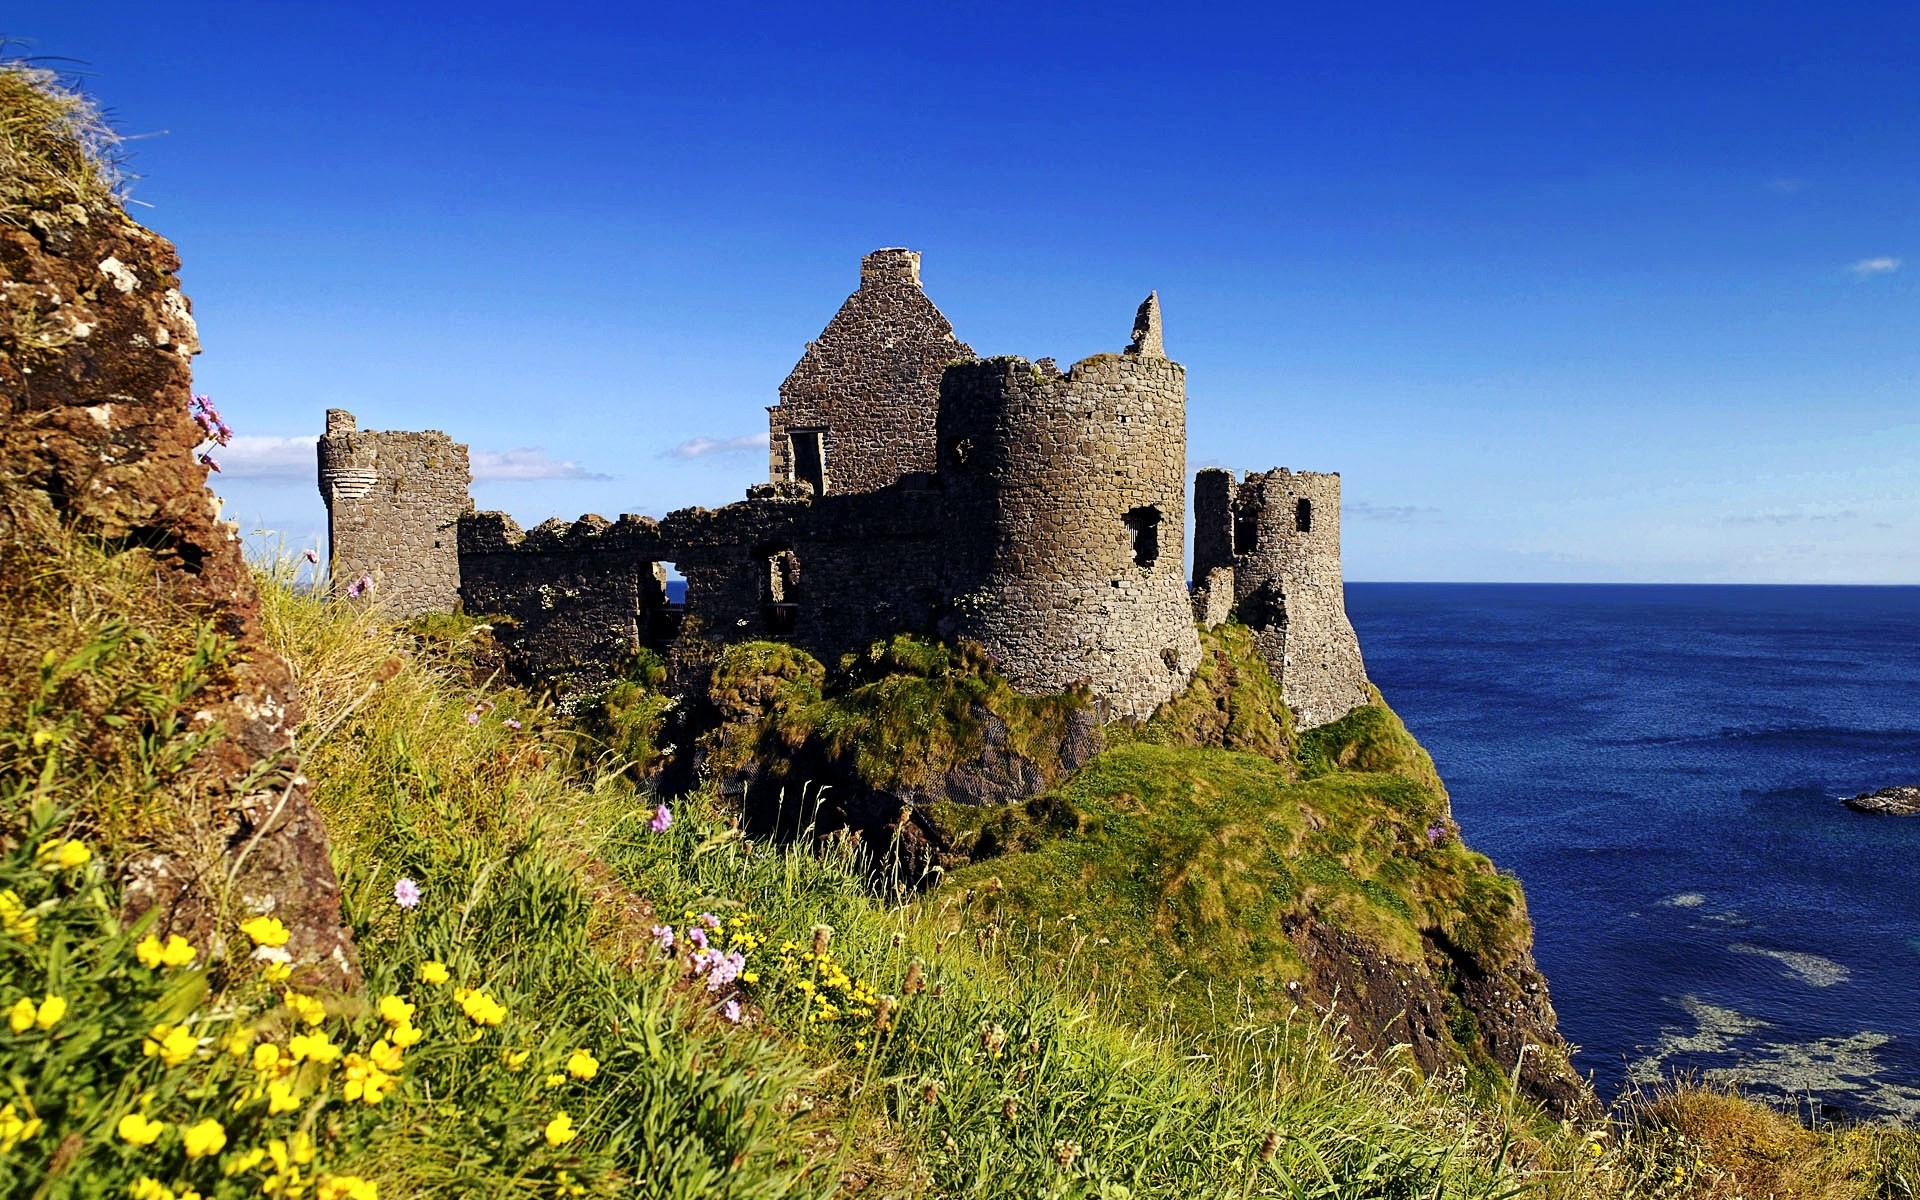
[(1626, 293)]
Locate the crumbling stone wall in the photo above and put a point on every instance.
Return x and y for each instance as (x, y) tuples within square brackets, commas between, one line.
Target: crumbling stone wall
[(96, 343), (869, 385), (393, 502), (1280, 534), (580, 599), (1066, 520)]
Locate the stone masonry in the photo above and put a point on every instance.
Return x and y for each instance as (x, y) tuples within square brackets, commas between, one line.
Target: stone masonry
[(1066, 511), (394, 501), (857, 412), (914, 489), (1279, 534)]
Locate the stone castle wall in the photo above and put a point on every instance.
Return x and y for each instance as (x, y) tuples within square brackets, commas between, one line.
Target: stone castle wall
[(393, 502), (1066, 518), (1280, 534), (869, 385)]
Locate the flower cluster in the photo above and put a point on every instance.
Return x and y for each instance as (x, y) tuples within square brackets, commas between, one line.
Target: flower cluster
[(212, 429)]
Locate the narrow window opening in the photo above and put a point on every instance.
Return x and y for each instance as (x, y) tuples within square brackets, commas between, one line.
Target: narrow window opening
[(1144, 525), (780, 588), (1246, 531), (809, 458), (1303, 516)]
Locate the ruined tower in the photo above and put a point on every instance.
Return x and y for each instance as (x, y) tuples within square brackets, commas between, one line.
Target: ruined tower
[(393, 502), (857, 412), (1066, 519), (1276, 539)]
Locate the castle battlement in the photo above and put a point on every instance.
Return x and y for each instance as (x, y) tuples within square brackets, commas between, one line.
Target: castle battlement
[(914, 488)]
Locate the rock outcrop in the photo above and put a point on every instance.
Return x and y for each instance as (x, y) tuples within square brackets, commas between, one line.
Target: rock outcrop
[(96, 341), (1898, 801)]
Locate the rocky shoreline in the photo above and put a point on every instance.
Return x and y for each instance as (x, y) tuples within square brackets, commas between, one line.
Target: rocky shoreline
[(1898, 801)]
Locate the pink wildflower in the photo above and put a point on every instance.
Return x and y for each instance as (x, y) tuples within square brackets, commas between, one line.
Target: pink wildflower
[(510, 723), (663, 938), (312, 556), (473, 716), (731, 1011), (662, 819), (360, 587), (212, 463), (697, 936), (406, 893)]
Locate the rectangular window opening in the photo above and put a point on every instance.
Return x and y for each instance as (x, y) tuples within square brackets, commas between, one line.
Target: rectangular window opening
[(1303, 516), (809, 458)]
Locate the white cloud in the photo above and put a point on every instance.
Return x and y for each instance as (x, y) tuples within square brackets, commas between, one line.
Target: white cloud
[(527, 462), (255, 456), (1868, 267), (1392, 514), (252, 456), (706, 447)]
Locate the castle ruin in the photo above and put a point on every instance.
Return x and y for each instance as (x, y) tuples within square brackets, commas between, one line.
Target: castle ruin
[(914, 488)]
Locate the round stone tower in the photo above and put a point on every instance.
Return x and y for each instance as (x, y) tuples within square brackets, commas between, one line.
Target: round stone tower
[(1066, 511)]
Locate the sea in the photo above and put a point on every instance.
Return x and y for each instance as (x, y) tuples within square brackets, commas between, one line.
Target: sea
[(1662, 767)]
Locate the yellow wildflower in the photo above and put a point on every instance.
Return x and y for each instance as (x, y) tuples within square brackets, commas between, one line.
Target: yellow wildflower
[(15, 1128), (583, 1065), (406, 1035), (21, 1015), (281, 1097), (560, 1130), (268, 1059), (50, 1011), (173, 1044), (135, 1129), (69, 855), (554, 1081), (15, 918), (265, 931), (515, 1059), (434, 972), (386, 1056), (153, 954), (277, 972), (245, 1161), (313, 1047), (347, 1187), (481, 1008), (238, 1041), (365, 1081), (203, 1138), (395, 1011), (148, 1188), (564, 1185), (306, 1008)]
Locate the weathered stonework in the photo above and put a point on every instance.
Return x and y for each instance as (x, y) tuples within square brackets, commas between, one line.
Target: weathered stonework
[(1066, 510), (393, 503), (1041, 514), (857, 412), (1280, 535)]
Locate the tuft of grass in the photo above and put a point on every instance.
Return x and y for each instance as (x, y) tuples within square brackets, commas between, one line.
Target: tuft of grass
[(58, 155), (1233, 703)]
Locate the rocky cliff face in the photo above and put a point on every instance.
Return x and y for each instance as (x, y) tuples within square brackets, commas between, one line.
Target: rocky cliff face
[(96, 442)]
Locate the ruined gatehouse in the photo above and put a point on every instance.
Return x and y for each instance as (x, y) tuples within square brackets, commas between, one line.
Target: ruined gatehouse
[(913, 488)]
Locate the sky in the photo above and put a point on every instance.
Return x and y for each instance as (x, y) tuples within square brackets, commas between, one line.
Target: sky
[(1621, 293)]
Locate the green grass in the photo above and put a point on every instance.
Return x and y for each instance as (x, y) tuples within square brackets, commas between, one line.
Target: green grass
[(56, 151)]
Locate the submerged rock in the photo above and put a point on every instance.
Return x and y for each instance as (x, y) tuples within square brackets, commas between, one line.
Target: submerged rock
[(1902, 800)]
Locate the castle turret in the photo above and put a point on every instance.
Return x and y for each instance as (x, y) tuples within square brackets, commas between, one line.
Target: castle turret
[(857, 413), (1066, 519), (393, 501), (1277, 537)]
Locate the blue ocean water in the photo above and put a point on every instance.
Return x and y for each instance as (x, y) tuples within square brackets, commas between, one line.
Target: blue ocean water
[(1661, 767)]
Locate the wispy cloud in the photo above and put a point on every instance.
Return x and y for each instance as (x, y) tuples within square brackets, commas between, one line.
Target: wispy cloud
[(526, 463), (1866, 268), (1787, 516), (1389, 514), (252, 456), (706, 447), (292, 459)]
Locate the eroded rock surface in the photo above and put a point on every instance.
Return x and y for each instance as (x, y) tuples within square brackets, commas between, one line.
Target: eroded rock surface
[(96, 341)]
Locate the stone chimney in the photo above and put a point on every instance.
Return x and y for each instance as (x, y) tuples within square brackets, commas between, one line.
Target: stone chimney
[(894, 264)]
